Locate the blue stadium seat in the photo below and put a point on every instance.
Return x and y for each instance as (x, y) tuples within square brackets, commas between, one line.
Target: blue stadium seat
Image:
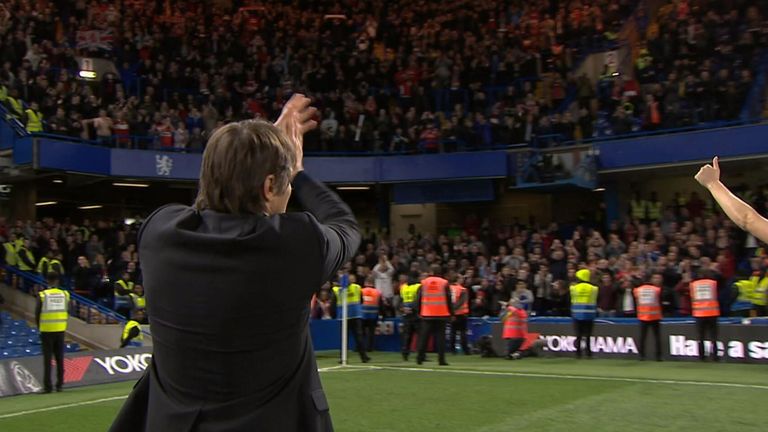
[(20, 341), (20, 331), (72, 347), (12, 352), (33, 340), (33, 351)]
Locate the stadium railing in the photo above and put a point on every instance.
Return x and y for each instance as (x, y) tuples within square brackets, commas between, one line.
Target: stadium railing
[(80, 307)]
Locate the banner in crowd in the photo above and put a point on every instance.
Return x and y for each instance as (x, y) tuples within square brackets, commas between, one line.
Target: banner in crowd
[(25, 375), (94, 39)]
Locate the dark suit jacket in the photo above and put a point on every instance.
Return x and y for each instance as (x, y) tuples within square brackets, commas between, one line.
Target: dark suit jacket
[(228, 301)]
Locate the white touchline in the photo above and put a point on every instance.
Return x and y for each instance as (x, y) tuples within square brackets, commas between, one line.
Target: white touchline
[(455, 371), (576, 377), (58, 407)]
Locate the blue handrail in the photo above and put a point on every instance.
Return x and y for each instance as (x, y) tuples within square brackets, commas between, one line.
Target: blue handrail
[(89, 304)]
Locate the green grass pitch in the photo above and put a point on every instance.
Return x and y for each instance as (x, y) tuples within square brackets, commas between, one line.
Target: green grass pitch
[(474, 394)]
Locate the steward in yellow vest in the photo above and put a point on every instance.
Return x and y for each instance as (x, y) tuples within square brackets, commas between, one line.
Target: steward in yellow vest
[(11, 254), (34, 119), (131, 334), (52, 313), (26, 260), (409, 294)]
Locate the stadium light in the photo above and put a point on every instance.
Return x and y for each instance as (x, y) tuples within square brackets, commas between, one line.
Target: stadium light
[(46, 203), (87, 74), (136, 185), (349, 188), (90, 207), (58, 181), (599, 189), (129, 221)]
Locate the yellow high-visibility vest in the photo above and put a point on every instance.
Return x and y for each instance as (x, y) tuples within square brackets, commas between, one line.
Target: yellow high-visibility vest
[(53, 316), (25, 253), (128, 326), (43, 266), (11, 256), (34, 121)]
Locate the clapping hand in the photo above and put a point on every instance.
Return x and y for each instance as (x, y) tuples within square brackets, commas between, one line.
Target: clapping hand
[(295, 121)]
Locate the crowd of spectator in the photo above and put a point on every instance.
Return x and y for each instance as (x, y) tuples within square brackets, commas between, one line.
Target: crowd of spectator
[(387, 75), (695, 66), (497, 261), (97, 260), (537, 265)]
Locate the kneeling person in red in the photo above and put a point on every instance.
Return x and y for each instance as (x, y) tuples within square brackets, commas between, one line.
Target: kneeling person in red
[(515, 321)]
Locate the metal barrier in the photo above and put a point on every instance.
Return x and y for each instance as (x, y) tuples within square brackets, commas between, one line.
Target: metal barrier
[(79, 307)]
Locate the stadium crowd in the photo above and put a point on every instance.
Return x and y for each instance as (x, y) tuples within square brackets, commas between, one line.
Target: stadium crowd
[(537, 265), (496, 261), (392, 76)]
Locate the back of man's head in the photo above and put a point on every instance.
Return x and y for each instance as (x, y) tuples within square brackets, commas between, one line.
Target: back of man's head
[(237, 161), (53, 279), (435, 270)]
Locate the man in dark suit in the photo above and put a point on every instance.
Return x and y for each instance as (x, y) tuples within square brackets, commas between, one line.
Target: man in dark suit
[(227, 309)]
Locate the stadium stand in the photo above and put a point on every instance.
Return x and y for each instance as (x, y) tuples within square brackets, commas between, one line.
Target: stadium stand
[(491, 256), (426, 79), (18, 339), (392, 77)]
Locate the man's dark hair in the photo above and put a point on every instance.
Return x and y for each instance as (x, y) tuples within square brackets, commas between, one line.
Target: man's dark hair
[(236, 163), (436, 270), (52, 278)]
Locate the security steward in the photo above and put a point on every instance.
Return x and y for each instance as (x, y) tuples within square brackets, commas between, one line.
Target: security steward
[(26, 262), (460, 299), (132, 332), (11, 257), (34, 118), (654, 208), (515, 330), (410, 317), (138, 300), (55, 265), (354, 314), (706, 309), (583, 309), (638, 208), (744, 289), (433, 302), (51, 315), (760, 292), (648, 300), (44, 264), (371, 310), (123, 288)]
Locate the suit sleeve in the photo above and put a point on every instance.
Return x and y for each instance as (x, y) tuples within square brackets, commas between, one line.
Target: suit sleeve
[(336, 224)]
